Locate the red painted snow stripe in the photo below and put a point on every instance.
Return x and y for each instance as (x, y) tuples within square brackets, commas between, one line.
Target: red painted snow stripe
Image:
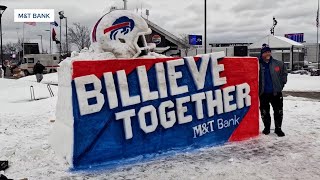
[(246, 69), (94, 32), (98, 67)]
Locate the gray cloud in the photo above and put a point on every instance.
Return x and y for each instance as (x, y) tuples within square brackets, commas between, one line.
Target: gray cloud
[(228, 20), (254, 5)]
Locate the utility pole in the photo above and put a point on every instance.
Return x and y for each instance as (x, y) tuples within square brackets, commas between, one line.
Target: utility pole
[(318, 37), (125, 4), (60, 42), (18, 43), (67, 48), (147, 13), (2, 9), (61, 16), (205, 26), (50, 34)]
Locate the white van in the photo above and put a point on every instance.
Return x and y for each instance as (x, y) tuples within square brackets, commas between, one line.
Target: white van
[(49, 61)]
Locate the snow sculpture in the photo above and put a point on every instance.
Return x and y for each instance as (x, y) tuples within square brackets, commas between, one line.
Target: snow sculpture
[(118, 103)]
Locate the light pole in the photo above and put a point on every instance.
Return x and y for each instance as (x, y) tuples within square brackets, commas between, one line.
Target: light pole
[(2, 9), (317, 55), (125, 4), (147, 14), (61, 16), (205, 26), (18, 43), (49, 30), (67, 48), (41, 44)]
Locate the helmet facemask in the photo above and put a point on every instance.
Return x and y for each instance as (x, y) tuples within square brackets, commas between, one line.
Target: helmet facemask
[(142, 46)]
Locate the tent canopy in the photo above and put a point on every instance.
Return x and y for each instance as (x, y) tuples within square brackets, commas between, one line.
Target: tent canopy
[(276, 42)]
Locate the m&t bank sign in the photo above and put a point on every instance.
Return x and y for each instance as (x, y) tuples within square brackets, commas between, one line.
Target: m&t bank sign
[(34, 15)]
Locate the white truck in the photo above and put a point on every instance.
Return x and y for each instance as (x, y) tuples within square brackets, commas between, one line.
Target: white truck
[(49, 61)]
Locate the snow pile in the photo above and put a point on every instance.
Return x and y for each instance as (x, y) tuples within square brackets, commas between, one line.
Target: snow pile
[(62, 134), (298, 82), (51, 78), (90, 54)]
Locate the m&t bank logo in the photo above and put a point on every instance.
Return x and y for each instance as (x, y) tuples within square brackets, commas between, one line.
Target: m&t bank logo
[(34, 15)]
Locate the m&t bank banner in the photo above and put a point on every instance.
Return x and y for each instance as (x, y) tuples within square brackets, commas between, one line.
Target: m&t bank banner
[(127, 108)]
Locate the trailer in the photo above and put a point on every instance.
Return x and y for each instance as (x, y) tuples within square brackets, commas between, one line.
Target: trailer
[(49, 61)]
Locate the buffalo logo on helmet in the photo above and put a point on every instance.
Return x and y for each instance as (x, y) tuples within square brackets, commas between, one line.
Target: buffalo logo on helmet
[(122, 25)]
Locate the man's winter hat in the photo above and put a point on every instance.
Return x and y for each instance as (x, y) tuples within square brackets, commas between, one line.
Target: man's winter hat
[(265, 48)]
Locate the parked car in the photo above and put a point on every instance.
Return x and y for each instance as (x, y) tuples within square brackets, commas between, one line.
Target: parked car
[(302, 72), (49, 61), (315, 72)]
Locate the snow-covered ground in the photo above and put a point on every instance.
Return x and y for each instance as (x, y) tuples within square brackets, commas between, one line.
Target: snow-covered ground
[(51, 78), (297, 82), (25, 126)]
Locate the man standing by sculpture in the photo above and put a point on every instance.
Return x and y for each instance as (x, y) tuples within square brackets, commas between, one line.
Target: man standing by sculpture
[(273, 77)]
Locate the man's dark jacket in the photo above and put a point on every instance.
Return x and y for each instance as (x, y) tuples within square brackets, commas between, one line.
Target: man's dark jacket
[(278, 73), (38, 68)]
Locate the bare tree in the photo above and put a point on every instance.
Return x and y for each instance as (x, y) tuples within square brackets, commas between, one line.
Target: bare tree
[(11, 47), (79, 35), (186, 45)]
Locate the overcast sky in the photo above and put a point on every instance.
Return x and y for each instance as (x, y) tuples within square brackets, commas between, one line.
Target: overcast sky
[(228, 20)]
